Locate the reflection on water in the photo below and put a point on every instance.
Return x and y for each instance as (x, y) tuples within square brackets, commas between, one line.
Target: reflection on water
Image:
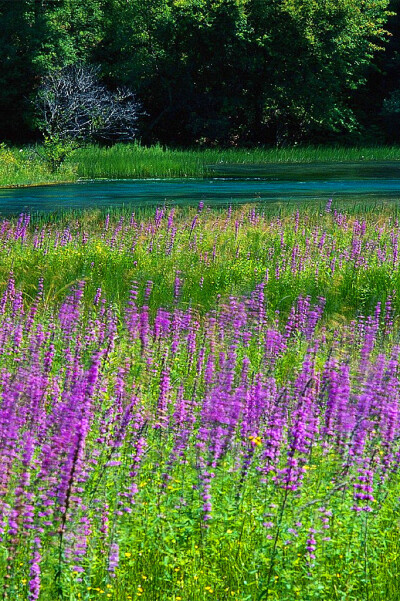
[(231, 184), (312, 172)]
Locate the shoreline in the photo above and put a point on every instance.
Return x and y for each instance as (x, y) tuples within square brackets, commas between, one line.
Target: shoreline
[(36, 185)]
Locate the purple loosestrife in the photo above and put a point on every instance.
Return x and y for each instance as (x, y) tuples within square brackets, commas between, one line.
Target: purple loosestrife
[(132, 313), (70, 310), (324, 516), (75, 469), (162, 324), (170, 222), (79, 546), (274, 346), (193, 328), (291, 325), (116, 232), (97, 297), (9, 293), (311, 547), (330, 382), (9, 433), (390, 417), (149, 288), (159, 215), (138, 452), (162, 418), (342, 412), (23, 510), (297, 221), (303, 428), (272, 435), (193, 225), (203, 460), (255, 403), (176, 327), (82, 411), (21, 227), (183, 423), (389, 315), (144, 328), (104, 527), (120, 387), (177, 286), (34, 571), (113, 559), (363, 489), (313, 317), (363, 414), (170, 244)]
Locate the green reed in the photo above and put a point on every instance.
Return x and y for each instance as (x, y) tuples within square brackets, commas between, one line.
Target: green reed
[(26, 165)]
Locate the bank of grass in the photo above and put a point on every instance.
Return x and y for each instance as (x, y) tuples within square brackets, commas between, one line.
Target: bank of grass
[(135, 161), (26, 166)]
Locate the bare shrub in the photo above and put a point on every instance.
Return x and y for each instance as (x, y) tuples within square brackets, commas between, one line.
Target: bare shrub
[(72, 104)]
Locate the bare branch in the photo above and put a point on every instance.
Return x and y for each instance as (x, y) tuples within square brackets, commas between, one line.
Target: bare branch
[(72, 104)]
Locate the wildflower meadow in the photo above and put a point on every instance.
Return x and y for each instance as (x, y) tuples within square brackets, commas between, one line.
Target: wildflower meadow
[(201, 404)]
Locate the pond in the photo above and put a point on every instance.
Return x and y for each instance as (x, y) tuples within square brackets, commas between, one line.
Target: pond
[(231, 184)]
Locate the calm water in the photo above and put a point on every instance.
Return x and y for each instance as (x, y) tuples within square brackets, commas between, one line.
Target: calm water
[(231, 184)]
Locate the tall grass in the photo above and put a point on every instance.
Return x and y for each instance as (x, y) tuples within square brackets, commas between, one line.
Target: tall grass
[(135, 161), (24, 166)]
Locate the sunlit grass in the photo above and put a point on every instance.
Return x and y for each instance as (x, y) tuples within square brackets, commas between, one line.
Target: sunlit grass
[(217, 256), (26, 166), (135, 161)]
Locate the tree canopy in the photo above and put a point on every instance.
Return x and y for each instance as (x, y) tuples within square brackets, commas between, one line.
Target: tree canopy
[(215, 71)]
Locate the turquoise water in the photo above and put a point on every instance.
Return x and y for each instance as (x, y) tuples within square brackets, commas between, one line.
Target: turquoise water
[(231, 184)]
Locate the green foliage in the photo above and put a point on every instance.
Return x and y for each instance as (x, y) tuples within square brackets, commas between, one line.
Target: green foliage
[(56, 150), (136, 161), (36, 37), (210, 72), (319, 52), (240, 70), (34, 165)]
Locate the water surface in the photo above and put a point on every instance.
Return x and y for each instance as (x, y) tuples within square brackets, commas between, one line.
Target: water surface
[(232, 184)]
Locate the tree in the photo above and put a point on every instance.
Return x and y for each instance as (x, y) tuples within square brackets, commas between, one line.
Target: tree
[(17, 72), (210, 71), (37, 36), (310, 56), (138, 50), (72, 105), (244, 70)]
